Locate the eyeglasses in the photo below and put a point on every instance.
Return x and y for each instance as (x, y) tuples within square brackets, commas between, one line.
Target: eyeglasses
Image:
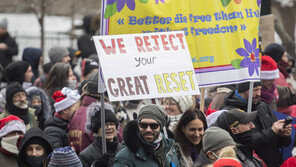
[(144, 125)]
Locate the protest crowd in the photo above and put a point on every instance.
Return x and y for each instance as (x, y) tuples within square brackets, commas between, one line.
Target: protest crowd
[(52, 117)]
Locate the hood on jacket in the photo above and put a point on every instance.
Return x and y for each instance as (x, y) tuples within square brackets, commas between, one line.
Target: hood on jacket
[(35, 134), (130, 136), (46, 108), (32, 56), (57, 122)]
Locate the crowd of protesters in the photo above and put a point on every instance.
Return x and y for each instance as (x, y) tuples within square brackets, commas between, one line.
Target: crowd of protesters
[(53, 117)]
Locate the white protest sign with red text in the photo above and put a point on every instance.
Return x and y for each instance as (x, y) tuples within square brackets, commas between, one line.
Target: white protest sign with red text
[(141, 66)]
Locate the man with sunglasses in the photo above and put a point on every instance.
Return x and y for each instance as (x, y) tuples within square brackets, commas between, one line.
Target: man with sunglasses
[(146, 145)]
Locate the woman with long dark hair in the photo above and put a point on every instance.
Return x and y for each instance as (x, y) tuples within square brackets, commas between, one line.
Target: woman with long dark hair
[(60, 75), (188, 135)]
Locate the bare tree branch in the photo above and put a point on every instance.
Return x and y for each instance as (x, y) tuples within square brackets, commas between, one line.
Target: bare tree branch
[(286, 39)]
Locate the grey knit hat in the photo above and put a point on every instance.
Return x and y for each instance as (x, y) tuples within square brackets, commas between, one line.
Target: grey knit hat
[(65, 157), (153, 112), (4, 23), (57, 53), (216, 138), (92, 83)]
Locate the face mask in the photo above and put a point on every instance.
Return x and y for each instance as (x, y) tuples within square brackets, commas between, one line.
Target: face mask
[(10, 144), (215, 155), (37, 109), (34, 161), (72, 84), (246, 138)]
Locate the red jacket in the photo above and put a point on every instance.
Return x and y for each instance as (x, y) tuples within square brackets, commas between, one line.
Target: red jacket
[(78, 138)]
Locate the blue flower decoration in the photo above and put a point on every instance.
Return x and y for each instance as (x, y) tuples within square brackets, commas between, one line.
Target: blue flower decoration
[(251, 56)]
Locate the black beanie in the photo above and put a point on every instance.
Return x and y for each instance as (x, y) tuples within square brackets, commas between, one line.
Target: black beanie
[(95, 122), (13, 88), (15, 71), (89, 66), (275, 51), (242, 87)]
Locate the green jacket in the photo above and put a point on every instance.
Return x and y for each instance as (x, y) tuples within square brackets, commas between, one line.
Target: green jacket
[(33, 118), (133, 154)]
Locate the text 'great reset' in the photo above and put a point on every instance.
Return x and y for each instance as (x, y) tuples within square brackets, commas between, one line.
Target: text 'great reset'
[(141, 66)]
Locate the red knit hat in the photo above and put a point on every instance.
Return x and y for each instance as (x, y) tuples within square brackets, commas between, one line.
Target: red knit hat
[(65, 98), (269, 69), (227, 162), (11, 123)]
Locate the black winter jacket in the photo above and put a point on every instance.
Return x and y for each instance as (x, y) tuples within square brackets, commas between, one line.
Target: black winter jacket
[(56, 130), (94, 151), (12, 49), (244, 151), (266, 142)]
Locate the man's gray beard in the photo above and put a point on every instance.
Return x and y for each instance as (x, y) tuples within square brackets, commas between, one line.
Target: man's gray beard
[(21, 104)]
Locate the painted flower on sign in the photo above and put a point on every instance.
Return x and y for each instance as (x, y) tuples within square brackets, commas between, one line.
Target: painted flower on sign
[(156, 1), (129, 3), (114, 6), (251, 59)]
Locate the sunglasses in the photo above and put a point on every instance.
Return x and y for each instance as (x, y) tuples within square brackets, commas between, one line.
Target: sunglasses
[(144, 125)]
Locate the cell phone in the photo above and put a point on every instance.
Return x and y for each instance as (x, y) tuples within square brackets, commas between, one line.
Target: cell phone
[(288, 120)]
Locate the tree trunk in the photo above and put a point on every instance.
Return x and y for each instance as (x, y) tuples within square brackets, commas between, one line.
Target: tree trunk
[(41, 21), (285, 26)]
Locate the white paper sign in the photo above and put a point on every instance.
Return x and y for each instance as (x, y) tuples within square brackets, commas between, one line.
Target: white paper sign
[(141, 66)]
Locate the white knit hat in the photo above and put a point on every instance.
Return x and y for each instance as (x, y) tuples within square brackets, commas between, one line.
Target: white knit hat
[(185, 102), (269, 69), (11, 123), (65, 98)]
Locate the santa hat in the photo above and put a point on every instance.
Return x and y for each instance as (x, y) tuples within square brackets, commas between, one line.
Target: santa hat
[(269, 69), (65, 98), (10, 124)]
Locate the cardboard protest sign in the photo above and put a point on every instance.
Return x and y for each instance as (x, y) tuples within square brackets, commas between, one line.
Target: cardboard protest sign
[(141, 66), (222, 35)]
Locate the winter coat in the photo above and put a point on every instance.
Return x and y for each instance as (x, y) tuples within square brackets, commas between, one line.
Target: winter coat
[(202, 160), (32, 117), (244, 152), (284, 100), (12, 49), (56, 130), (77, 126), (8, 160), (44, 114), (184, 160), (94, 151), (138, 154), (32, 134), (266, 142)]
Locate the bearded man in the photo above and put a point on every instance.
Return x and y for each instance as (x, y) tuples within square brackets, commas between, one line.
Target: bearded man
[(146, 145), (17, 104)]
